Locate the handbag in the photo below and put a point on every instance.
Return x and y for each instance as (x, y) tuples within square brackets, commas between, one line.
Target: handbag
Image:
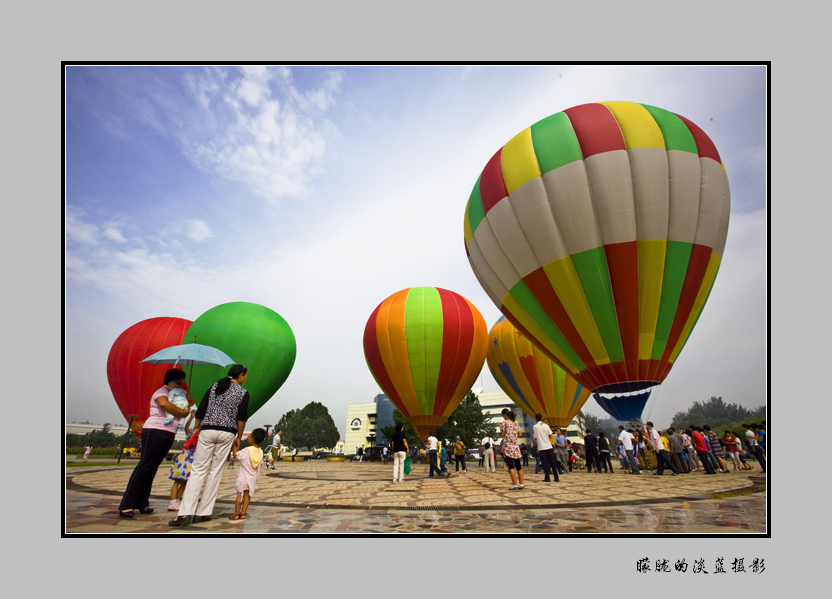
[(407, 465)]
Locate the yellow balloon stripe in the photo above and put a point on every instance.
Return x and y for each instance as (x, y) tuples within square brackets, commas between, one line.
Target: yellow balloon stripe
[(469, 233), (651, 259), (518, 161), (564, 280), (392, 342), (637, 125), (698, 304)]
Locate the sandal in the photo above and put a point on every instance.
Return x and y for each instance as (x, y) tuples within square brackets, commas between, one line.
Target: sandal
[(234, 517), (242, 516)]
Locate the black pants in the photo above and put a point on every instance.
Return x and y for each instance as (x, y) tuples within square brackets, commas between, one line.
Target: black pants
[(663, 459), (706, 461), (458, 459), (605, 461), (761, 457), (155, 446), (549, 463), (593, 459)]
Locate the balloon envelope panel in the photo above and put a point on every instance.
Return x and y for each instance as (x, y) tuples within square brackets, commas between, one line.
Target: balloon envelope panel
[(133, 382), (535, 383), (254, 336), (624, 407), (598, 232), (425, 347)]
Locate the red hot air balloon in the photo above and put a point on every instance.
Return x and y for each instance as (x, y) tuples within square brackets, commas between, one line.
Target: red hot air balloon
[(425, 347), (133, 381), (598, 232)]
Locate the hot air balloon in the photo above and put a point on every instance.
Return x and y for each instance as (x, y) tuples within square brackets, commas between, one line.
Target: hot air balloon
[(257, 337), (132, 381), (598, 232), (533, 381), (425, 347)]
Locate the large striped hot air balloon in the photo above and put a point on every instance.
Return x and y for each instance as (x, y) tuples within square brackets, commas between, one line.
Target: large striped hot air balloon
[(598, 232), (527, 375), (425, 347), (132, 381)]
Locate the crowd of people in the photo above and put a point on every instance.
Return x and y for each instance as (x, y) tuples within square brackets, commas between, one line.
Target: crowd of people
[(692, 449), (219, 422)]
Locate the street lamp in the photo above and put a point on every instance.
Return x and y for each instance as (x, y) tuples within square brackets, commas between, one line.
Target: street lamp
[(126, 436)]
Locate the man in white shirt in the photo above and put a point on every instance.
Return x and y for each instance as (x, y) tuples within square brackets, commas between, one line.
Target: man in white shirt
[(432, 447), (274, 448), (488, 446), (545, 451), (662, 456), (626, 440)]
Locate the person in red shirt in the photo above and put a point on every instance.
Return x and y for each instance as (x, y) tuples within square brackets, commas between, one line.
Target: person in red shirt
[(701, 448)]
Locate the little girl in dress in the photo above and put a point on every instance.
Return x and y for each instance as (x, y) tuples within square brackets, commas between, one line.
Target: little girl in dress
[(181, 470), (250, 459)]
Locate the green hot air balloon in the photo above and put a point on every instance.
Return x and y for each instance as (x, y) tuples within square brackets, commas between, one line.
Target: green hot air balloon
[(254, 336)]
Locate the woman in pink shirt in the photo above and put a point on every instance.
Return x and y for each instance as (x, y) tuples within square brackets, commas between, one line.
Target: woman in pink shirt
[(157, 439)]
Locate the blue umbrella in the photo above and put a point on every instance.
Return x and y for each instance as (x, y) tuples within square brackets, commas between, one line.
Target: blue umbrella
[(190, 353)]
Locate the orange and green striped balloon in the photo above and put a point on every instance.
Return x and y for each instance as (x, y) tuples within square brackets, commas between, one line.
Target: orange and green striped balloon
[(425, 347), (598, 232), (527, 375)]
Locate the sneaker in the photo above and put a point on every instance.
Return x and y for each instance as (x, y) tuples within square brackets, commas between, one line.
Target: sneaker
[(514, 488), (173, 506), (520, 487)]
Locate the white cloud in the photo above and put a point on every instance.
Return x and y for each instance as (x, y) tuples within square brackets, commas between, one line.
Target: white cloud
[(198, 230), (261, 131), (79, 231), (112, 232)]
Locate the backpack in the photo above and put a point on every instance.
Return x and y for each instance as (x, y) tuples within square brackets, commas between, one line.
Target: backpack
[(459, 448)]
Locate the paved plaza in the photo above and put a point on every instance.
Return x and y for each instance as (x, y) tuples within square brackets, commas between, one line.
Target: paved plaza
[(320, 497)]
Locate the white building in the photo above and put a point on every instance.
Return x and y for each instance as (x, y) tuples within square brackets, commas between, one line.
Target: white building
[(365, 420)]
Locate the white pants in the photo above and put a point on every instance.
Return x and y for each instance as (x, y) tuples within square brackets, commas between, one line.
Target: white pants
[(489, 459), (398, 465), (210, 456)]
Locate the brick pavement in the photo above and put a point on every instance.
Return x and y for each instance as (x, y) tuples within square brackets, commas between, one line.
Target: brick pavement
[(321, 497)]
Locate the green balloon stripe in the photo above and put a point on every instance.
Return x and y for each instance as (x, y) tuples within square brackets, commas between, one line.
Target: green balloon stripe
[(676, 134), (524, 296), (423, 331), (593, 273), (476, 211), (675, 269), (555, 143)]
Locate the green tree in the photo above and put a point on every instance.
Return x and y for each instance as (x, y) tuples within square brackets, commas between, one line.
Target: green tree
[(468, 421), (593, 423), (285, 424), (717, 414), (388, 431), (96, 438), (309, 427)]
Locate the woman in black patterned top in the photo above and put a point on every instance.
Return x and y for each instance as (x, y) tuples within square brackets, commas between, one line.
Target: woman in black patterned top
[(220, 422)]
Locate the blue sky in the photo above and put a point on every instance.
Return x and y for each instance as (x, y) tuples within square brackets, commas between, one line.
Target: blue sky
[(320, 190)]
